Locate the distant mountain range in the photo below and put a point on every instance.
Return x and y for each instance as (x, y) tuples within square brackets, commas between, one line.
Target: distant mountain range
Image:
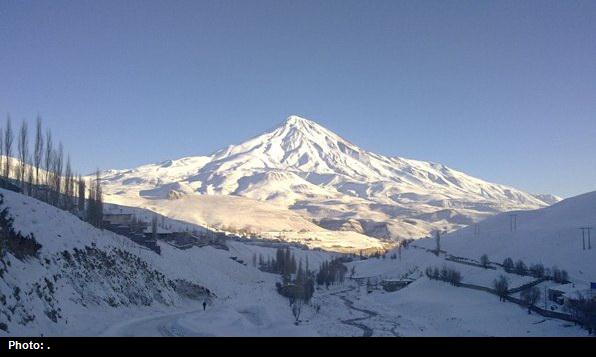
[(303, 175)]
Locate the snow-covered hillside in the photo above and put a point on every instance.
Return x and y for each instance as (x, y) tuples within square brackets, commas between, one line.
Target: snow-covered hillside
[(84, 281), (303, 167), (550, 236)]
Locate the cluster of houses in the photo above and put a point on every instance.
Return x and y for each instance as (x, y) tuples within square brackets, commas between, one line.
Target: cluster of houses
[(562, 294), (128, 225)]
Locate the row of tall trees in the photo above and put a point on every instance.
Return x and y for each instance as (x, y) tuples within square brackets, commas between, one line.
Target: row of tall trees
[(298, 281), (45, 172), (536, 270), (446, 274), (284, 263), (95, 202), (331, 272)]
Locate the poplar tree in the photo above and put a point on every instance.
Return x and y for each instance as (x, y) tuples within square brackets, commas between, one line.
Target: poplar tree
[(1, 151), (38, 149), (8, 139), (49, 148), (22, 148), (81, 203)]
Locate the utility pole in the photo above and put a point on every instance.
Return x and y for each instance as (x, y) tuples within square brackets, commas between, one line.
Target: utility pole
[(588, 231), (584, 230), (513, 222)]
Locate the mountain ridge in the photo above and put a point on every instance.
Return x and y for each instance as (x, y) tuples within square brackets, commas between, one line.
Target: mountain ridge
[(304, 167)]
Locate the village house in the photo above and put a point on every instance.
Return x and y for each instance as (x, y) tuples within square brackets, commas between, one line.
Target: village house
[(561, 294), (395, 284), (126, 224), (180, 240), (118, 219)]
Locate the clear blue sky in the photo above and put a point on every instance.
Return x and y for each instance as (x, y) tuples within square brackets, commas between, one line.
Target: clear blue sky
[(503, 90)]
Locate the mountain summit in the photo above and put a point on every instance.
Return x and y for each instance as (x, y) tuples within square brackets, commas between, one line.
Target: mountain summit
[(297, 145), (298, 120), (302, 166)]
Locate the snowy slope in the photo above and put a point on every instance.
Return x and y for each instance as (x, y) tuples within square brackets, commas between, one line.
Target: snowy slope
[(84, 280), (304, 167), (548, 198), (550, 236)]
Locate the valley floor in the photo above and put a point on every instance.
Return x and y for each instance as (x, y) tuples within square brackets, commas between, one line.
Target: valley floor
[(425, 308), (101, 284)]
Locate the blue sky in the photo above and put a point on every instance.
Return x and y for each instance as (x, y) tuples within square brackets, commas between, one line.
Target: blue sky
[(503, 90)]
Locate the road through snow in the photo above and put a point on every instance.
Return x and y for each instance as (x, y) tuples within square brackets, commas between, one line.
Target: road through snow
[(162, 325)]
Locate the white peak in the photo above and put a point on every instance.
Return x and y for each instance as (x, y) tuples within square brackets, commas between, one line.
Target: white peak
[(299, 160), (295, 119)]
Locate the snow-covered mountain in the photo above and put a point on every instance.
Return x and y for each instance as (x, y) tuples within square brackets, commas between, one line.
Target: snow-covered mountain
[(303, 167), (548, 198)]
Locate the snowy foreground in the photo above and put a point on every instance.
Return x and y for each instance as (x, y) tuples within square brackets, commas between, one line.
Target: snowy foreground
[(112, 287)]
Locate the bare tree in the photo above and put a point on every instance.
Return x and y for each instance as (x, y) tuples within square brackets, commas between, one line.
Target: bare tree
[(537, 270), (530, 296), (508, 264), (1, 151), (583, 308), (559, 276), (90, 211), (57, 166), (8, 140), (29, 180), (38, 149), (23, 152), (484, 261), (95, 202), (501, 285), (48, 157), (520, 268), (98, 199), (68, 186), (81, 203)]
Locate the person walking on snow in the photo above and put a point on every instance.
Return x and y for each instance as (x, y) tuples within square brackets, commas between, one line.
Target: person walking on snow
[(204, 304)]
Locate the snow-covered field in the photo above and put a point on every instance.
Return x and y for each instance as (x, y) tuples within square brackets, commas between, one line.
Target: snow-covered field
[(432, 308)]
